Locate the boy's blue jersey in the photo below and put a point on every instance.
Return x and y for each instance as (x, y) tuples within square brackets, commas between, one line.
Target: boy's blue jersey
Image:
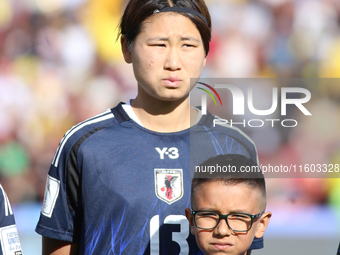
[(9, 239), (118, 188)]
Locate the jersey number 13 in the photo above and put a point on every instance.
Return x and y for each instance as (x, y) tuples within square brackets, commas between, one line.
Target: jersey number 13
[(178, 237)]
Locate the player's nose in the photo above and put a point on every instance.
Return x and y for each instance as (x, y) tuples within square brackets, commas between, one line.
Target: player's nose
[(173, 60)]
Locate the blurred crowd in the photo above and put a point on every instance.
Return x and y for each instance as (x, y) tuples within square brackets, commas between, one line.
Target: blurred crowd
[(61, 63)]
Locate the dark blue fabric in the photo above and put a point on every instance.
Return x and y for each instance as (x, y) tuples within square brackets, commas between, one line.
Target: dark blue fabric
[(112, 206), (9, 238), (257, 244)]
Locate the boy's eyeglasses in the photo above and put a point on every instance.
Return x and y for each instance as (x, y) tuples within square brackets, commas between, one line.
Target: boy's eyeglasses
[(237, 222)]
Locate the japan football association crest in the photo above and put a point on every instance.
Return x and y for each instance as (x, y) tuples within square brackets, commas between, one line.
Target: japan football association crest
[(169, 184)]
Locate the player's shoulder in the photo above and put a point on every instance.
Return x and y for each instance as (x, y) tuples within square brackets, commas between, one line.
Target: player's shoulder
[(97, 122), (2, 193), (10, 242), (214, 122), (221, 129), (5, 206), (83, 130), (226, 126)]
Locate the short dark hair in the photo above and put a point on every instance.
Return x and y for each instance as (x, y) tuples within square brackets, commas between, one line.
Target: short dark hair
[(139, 10), (254, 179)]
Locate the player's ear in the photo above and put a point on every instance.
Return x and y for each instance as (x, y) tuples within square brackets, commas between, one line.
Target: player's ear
[(263, 224), (190, 218), (126, 51), (204, 61)]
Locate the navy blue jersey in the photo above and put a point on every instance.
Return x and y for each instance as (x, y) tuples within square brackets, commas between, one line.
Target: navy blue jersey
[(9, 239), (116, 187)]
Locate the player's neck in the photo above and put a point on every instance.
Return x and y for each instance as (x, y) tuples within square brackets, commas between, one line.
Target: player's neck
[(164, 116)]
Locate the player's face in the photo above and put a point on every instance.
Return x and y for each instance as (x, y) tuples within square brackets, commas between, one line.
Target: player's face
[(166, 54), (225, 199)]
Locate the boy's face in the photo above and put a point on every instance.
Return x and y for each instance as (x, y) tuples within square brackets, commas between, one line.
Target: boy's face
[(218, 197)]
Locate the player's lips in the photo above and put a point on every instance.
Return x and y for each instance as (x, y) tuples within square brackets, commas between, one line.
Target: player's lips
[(172, 81)]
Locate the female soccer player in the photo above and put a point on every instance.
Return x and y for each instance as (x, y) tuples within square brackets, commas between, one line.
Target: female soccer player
[(119, 182)]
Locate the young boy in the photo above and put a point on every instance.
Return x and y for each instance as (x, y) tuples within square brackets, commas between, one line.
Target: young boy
[(228, 208)]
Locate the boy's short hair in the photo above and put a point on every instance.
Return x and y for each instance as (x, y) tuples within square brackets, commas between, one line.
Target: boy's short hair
[(230, 169)]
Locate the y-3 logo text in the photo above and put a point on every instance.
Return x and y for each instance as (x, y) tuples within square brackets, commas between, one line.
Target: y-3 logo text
[(170, 152)]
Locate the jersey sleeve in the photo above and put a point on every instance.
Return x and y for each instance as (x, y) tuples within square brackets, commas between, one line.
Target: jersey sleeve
[(58, 214), (61, 215), (9, 238)]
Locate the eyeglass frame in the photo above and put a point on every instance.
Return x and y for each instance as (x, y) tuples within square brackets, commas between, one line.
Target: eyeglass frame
[(225, 216)]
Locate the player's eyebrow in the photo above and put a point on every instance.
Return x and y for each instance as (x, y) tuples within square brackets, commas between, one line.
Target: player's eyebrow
[(186, 38), (190, 38), (157, 39)]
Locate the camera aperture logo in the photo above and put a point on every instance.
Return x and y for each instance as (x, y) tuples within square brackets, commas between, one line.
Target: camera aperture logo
[(238, 98), (207, 91)]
